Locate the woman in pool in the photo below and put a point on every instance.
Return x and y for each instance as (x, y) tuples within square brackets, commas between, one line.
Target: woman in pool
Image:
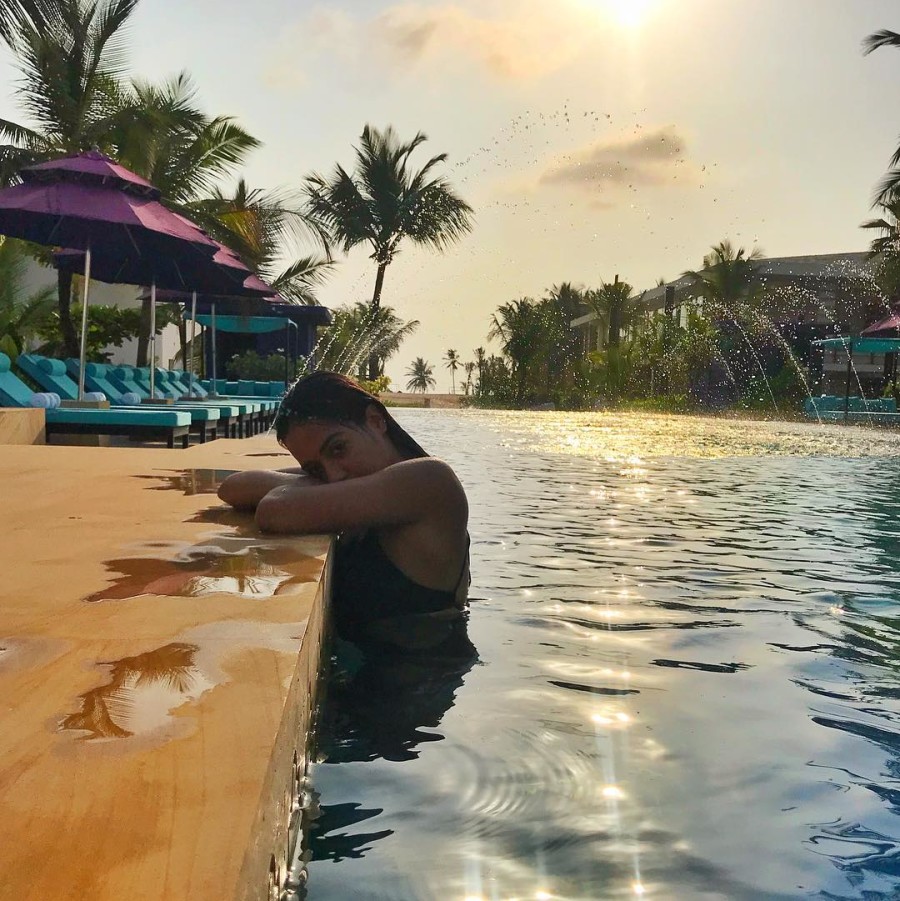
[(400, 573)]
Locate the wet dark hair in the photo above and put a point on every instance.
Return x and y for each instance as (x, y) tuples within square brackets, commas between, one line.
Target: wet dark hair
[(330, 397)]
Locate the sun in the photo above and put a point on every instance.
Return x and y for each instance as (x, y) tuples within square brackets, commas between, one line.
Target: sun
[(630, 13)]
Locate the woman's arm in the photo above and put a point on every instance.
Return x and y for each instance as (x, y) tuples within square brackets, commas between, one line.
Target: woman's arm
[(404, 493), (244, 490)]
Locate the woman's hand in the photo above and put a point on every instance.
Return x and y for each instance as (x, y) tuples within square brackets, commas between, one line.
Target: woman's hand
[(244, 490)]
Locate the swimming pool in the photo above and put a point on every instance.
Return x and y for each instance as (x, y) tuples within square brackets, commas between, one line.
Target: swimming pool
[(687, 684)]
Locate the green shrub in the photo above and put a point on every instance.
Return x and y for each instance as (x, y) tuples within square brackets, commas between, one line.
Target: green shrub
[(375, 386), (251, 366)]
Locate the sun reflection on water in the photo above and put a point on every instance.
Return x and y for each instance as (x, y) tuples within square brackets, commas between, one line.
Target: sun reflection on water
[(698, 568)]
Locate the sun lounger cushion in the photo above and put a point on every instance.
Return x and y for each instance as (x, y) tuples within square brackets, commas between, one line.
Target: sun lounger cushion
[(45, 399), (54, 367), (116, 416)]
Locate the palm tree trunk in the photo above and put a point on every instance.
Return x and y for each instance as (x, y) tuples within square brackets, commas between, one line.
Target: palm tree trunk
[(520, 386), (376, 304), (66, 326), (143, 346)]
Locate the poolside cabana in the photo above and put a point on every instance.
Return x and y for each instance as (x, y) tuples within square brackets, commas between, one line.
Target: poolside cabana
[(306, 319), (861, 345), (248, 325)]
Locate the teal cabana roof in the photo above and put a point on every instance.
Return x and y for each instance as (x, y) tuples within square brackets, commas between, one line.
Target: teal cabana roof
[(246, 325), (861, 345)]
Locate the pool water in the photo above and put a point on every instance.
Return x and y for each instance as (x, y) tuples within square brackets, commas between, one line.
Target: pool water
[(688, 681)]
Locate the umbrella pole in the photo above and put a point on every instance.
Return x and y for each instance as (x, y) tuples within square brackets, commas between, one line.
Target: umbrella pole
[(153, 340), (287, 354), (193, 339), (84, 321), (212, 323)]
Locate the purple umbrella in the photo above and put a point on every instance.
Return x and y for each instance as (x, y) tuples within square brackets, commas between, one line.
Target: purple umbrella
[(225, 275), (89, 202)]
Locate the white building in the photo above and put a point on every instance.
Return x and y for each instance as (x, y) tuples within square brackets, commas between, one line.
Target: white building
[(168, 345)]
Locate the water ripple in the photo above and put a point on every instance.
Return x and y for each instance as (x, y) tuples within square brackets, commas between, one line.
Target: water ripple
[(687, 687)]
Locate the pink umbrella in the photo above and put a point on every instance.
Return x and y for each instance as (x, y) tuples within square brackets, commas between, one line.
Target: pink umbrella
[(90, 203), (884, 327)]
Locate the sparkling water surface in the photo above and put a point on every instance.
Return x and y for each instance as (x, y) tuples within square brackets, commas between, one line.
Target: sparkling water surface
[(687, 683)]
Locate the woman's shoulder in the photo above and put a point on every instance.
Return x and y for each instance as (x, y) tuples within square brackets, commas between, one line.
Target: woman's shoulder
[(425, 472)]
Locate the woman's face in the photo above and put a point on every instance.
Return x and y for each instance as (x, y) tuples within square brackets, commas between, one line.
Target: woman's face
[(334, 451)]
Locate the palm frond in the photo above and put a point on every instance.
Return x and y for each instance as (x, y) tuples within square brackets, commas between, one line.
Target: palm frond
[(878, 39), (299, 281), (17, 16)]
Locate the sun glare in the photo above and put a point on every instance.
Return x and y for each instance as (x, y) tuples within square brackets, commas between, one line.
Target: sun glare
[(630, 13)]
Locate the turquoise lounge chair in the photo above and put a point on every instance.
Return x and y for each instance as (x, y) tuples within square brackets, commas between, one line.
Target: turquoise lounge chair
[(147, 425), (255, 408), (175, 380), (229, 391), (204, 425), (239, 416), (204, 420)]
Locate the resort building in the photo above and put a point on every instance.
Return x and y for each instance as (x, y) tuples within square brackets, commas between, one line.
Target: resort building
[(809, 297)]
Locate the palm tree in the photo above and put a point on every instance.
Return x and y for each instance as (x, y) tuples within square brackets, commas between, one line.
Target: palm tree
[(159, 132), (385, 201), (885, 248), (480, 362), (889, 188), (470, 371), (355, 334), (519, 327), (562, 304), (727, 281), (616, 306), (20, 314), (421, 376), (453, 363), (70, 55), (264, 227)]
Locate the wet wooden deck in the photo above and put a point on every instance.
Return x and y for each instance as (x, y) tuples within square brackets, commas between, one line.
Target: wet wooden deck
[(157, 660)]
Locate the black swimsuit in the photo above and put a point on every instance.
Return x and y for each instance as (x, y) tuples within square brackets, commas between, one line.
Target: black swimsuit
[(378, 607)]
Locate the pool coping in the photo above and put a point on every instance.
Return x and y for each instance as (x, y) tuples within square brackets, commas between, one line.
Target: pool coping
[(203, 803)]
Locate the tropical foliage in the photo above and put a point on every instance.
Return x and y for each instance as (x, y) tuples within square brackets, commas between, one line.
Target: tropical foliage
[(76, 93), (356, 334), (22, 312), (108, 326), (727, 281), (670, 359), (258, 368), (384, 201), (421, 376)]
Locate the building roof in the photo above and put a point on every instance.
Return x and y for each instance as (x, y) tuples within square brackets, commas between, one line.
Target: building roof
[(855, 264), (822, 265)]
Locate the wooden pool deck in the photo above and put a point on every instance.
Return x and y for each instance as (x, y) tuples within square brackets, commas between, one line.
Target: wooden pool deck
[(158, 659)]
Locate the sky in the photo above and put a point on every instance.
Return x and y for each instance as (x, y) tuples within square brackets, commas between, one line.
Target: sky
[(591, 137)]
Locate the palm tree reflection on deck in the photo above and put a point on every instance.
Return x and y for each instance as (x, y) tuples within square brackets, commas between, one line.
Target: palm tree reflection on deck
[(140, 693), (227, 566)]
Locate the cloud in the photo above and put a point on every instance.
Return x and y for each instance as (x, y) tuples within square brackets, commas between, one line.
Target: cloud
[(523, 40), (529, 41), (657, 158)]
